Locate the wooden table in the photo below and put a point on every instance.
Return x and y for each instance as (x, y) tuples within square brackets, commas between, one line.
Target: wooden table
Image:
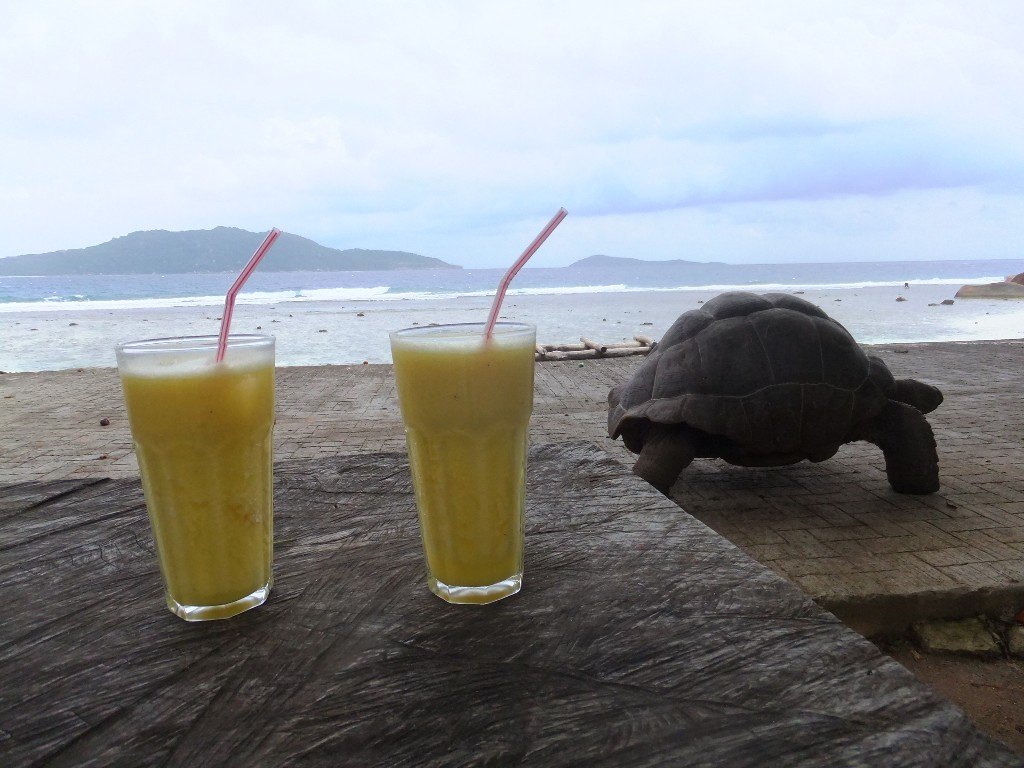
[(641, 638)]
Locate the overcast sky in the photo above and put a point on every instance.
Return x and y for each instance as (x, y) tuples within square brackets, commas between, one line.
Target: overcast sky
[(730, 131)]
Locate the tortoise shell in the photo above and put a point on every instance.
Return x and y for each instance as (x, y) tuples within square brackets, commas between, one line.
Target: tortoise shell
[(772, 373)]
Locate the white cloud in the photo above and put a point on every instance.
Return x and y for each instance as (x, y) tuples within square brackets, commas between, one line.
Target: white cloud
[(456, 129)]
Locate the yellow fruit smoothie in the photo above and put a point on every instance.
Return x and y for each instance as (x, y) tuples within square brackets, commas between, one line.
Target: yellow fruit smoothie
[(202, 433), (466, 405)]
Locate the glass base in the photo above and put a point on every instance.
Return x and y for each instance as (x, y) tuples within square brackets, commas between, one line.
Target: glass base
[(213, 612), (476, 595)]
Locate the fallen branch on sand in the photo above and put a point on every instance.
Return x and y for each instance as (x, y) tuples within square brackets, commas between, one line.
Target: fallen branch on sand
[(587, 349)]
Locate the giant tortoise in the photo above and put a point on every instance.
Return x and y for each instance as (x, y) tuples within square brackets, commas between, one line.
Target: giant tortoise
[(765, 381)]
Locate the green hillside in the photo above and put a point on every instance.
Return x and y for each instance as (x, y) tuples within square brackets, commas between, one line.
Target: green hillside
[(224, 249)]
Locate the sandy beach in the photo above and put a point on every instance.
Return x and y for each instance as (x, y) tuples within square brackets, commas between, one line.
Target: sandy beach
[(349, 332)]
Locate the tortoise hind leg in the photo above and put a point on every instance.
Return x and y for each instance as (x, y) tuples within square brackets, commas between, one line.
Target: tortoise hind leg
[(668, 449), (907, 441)]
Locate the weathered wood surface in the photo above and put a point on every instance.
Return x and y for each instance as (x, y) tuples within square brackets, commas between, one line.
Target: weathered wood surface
[(640, 638)]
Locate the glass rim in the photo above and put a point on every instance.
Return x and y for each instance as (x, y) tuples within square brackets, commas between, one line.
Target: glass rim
[(506, 327), (200, 343)]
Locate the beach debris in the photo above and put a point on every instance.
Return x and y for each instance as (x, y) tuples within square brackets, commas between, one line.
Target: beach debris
[(104, 422), (589, 349), (767, 381)]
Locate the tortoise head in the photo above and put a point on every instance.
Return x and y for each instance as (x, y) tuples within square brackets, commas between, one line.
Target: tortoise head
[(923, 397)]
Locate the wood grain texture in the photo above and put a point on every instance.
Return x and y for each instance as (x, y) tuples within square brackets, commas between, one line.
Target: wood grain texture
[(640, 638)]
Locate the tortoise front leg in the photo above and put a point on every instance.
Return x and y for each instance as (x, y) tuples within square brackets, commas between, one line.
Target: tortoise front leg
[(668, 449), (907, 441)]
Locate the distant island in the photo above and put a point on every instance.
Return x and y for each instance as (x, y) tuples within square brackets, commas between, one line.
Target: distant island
[(624, 261), (223, 249)]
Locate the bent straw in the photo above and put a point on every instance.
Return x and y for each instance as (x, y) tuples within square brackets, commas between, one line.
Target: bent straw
[(229, 300), (503, 285)]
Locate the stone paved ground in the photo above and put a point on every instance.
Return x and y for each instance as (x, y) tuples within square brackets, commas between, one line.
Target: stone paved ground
[(877, 558), (836, 529)]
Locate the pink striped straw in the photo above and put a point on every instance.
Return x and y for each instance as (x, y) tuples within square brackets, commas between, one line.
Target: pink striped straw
[(229, 300), (503, 286)]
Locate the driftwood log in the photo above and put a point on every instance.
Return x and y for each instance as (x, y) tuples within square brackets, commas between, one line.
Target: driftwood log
[(589, 349), (641, 638)]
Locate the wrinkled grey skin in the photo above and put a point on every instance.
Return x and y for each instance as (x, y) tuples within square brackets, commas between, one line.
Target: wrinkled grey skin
[(766, 381)]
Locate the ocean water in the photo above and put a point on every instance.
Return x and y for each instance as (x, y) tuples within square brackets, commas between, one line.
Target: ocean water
[(49, 323)]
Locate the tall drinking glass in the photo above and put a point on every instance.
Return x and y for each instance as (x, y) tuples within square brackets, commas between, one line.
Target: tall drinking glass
[(202, 433), (466, 404)]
